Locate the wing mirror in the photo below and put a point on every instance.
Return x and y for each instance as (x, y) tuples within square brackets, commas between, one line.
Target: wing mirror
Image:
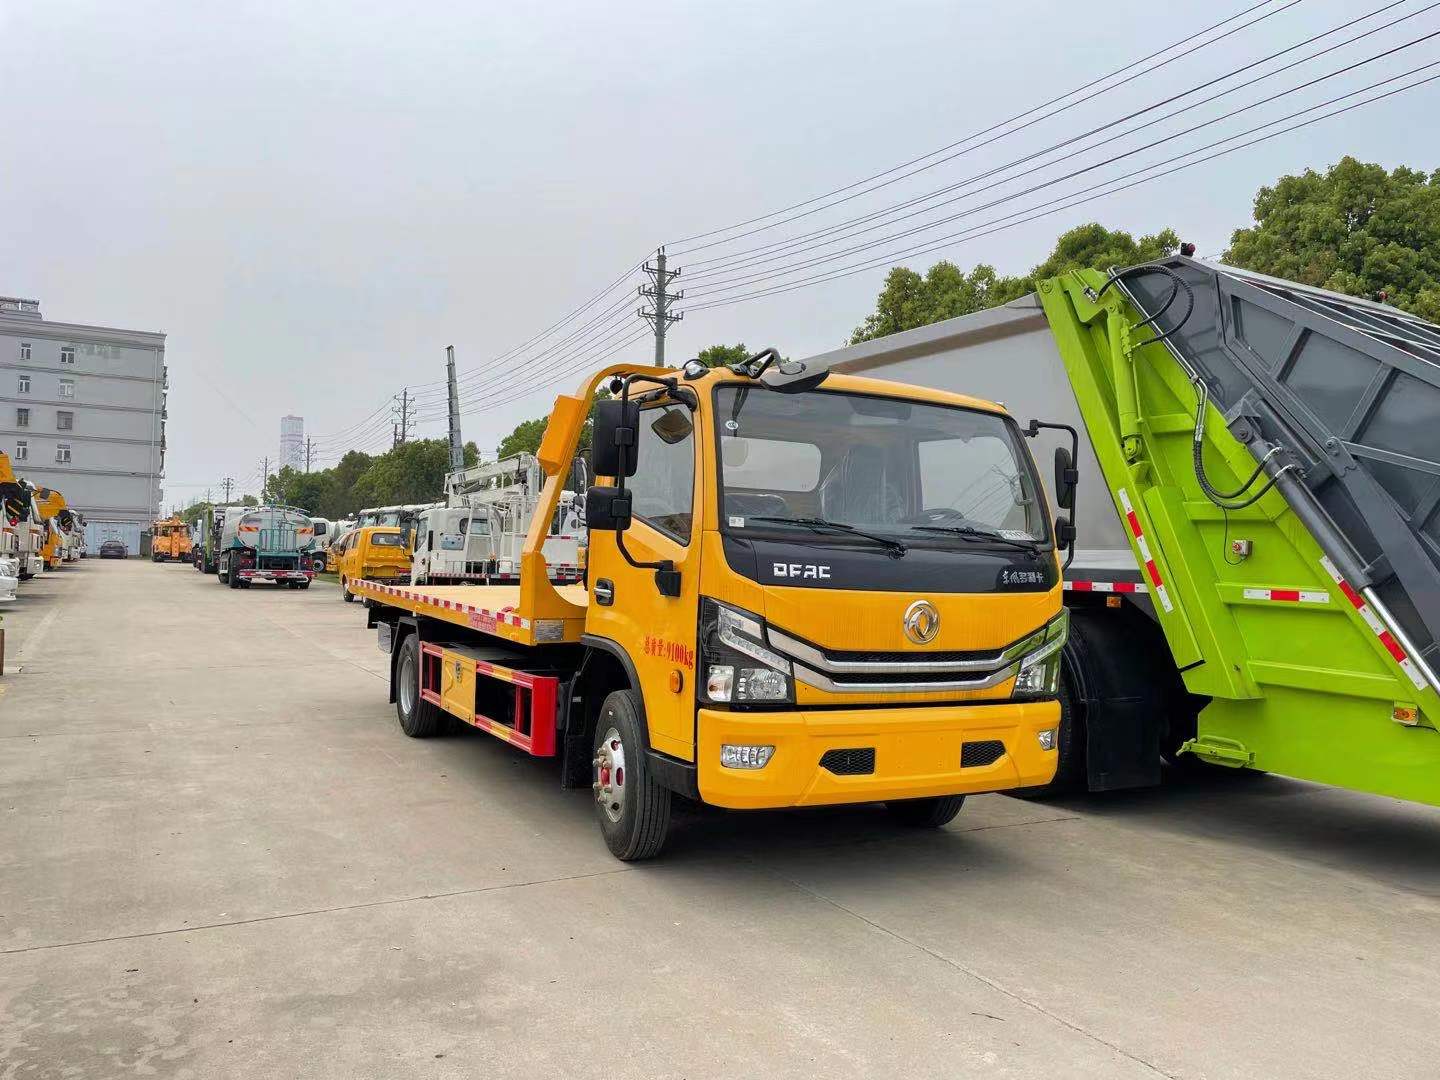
[(607, 508), (1067, 476), (613, 438)]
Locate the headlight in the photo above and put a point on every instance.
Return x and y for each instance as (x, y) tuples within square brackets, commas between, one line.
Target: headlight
[(1040, 669), (739, 665)]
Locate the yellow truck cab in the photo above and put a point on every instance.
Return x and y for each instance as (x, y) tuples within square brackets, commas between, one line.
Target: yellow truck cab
[(48, 504), (802, 588), (170, 540), (371, 553)]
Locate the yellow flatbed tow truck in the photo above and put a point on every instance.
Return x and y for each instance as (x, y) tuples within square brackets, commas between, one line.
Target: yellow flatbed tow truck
[(801, 588)]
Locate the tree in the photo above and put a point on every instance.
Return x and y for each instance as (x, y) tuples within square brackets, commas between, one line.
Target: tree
[(410, 473), (525, 439), (723, 355), (945, 291), (1355, 229)]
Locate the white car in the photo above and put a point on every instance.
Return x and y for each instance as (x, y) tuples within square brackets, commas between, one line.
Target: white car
[(9, 579)]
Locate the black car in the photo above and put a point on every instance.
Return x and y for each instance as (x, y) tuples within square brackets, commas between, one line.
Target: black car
[(114, 549)]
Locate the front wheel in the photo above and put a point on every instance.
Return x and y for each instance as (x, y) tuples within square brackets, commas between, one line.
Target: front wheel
[(632, 809), (926, 813)]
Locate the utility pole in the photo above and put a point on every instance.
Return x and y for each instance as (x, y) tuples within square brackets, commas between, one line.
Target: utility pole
[(228, 481), (457, 451), (659, 315), (264, 476), (309, 451), (402, 428)]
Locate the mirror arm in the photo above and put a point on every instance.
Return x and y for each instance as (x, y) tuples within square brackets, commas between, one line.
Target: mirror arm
[(1033, 429)]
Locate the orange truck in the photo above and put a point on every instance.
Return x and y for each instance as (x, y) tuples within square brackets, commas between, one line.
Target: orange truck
[(170, 540)]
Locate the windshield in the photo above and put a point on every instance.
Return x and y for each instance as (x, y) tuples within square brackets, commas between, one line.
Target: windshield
[(918, 472)]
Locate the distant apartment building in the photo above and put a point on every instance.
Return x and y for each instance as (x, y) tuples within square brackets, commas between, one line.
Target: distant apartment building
[(292, 441), (82, 410)]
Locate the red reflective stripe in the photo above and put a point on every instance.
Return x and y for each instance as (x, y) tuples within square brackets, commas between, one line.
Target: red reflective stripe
[(1351, 594), (1392, 646), (1285, 594), (1082, 586), (1134, 522), (1125, 586), (1151, 569)]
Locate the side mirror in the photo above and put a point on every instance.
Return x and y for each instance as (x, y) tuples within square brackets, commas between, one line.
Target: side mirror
[(607, 509), (1065, 534), (615, 424), (1066, 477)]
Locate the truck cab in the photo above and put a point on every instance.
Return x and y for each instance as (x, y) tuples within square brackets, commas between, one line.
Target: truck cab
[(800, 590)]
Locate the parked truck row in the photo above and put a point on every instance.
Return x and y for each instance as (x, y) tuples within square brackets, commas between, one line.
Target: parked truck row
[(38, 531), (843, 579)]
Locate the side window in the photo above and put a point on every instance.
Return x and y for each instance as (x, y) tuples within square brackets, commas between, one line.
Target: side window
[(663, 487)]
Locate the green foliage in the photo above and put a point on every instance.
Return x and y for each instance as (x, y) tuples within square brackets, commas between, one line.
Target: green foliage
[(945, 291), (1355, 229), (723, 355), (410, 473), (525, 439), (192, 514)]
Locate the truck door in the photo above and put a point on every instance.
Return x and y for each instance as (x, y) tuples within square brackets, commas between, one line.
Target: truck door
[(626, 606)]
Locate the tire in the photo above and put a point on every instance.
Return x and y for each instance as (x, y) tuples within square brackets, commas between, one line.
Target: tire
[(926, 813), (302, 584), (346, 594), (632, 809), (418, 718)]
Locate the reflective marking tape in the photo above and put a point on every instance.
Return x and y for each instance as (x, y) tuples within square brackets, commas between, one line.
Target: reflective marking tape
[(1106, 586), (507, 616), (1146, 558), (1291, 596), (1367, 613)]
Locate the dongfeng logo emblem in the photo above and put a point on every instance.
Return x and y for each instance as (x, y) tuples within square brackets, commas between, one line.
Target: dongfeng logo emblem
[(922, 622)]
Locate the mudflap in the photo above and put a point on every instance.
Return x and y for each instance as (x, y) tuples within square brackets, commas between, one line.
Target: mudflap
[(1124, 683)]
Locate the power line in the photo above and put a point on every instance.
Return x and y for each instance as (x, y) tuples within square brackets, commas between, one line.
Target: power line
[(712, 287), (992, 128), (976, 232), (893, 211)]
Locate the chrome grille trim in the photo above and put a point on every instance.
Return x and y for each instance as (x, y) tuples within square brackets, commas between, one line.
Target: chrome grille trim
[(817, 661), (983, 682)]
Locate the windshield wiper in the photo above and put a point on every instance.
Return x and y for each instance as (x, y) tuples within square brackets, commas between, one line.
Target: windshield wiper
[(973, 532), (894, 548)]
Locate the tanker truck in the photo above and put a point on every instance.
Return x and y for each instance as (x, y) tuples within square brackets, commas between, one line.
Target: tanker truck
[(267, 543), (1256, 583)]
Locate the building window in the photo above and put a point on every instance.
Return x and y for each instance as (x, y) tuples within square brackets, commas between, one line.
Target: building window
[(62, 453), (22, 417), (22, 449), (64, 421), (24, 350), (24, 384), (67, 354), (67, 388)]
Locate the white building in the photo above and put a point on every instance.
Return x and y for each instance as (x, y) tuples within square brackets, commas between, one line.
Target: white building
[(82, 410), (292, 442)]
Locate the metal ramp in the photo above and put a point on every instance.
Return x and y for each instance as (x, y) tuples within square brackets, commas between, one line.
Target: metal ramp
[(1339, 399)]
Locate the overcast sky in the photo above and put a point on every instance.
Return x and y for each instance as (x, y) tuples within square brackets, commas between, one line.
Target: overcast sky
[(313, 199)]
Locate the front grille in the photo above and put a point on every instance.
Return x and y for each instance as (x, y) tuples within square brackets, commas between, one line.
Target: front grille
[(907, 656), (858, 761), (975, 754)]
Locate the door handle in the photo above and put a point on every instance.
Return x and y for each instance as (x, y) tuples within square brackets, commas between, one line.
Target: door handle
[(604, 592)]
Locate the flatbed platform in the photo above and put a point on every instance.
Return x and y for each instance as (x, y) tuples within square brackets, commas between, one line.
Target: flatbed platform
[(490, 609)]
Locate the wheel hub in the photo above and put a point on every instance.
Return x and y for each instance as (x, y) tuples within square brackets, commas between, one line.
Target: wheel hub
[(610, 775)]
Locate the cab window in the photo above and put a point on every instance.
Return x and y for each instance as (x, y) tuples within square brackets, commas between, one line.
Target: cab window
[(663, 487), (387, 540)]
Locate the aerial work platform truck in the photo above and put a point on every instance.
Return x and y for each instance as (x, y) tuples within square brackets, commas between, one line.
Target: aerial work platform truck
[(799, 591)]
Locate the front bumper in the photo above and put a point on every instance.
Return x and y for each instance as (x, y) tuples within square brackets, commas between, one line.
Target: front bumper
[(275, 575), (917, 753)]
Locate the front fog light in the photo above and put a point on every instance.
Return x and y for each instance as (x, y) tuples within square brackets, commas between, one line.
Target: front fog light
[(719, 682), (1047, 738), (745, 757)]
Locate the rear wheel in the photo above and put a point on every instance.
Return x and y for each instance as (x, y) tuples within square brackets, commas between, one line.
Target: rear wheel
[(926, 813), (418, 718), (632, 809), (346, 594)]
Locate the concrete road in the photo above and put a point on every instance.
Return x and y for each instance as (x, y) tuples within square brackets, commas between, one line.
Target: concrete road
[(220, 858)]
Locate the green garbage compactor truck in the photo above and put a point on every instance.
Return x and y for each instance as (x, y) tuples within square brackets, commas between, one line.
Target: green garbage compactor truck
[(1256, 580)]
